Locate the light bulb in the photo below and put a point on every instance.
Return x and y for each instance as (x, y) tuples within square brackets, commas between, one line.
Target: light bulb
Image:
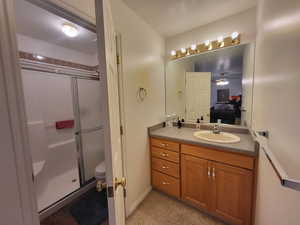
[(173, 53), (183, 50), (193, 47), (234, 35), (69, 30), (220, 39), (207, 42), (39, 57)]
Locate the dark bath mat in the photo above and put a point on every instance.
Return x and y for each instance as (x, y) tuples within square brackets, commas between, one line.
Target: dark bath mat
[(91, 209)]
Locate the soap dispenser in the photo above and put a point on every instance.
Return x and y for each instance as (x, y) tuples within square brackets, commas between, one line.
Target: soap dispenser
[(179, 124), (198, 125), (201, 119)]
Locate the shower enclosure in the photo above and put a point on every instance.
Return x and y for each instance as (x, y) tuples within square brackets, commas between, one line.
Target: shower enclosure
[(63, 107), (62, 91)]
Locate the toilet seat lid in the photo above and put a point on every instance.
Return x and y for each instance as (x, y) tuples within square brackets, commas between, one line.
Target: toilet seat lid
[(100, 169)]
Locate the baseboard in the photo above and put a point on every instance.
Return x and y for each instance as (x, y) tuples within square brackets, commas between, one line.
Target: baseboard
[(133, 207)]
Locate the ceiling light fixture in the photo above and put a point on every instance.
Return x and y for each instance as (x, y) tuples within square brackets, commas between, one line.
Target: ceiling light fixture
[(70, 30), (39, 57), (222, 82)]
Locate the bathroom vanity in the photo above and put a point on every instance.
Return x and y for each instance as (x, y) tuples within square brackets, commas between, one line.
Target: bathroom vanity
[(214, 177)]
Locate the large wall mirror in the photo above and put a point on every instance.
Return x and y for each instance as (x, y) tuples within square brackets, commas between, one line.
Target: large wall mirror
[(213, 86)]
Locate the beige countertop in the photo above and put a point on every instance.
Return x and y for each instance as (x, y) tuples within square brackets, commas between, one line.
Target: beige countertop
[(185, 135)]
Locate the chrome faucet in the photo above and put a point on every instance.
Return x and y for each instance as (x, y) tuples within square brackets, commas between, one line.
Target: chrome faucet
[(217, 128)]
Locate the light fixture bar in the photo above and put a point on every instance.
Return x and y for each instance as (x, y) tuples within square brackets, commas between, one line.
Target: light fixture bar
[(221, 42)]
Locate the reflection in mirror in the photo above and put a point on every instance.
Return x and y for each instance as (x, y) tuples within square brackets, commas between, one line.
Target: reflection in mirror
[(214, 86)]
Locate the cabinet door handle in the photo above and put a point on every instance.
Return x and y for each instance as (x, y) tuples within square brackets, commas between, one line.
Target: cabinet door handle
[(165, 183), (208, 172), (213, 173), (165, 167)]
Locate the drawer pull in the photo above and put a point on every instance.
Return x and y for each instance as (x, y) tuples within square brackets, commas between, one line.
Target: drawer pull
[(208, 172), (165, 167), (165, 183), (163, 145), (164, 154)]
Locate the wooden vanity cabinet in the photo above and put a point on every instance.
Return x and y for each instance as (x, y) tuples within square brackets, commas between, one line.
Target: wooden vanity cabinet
[(195, 181), (232, 193), (218, 182)]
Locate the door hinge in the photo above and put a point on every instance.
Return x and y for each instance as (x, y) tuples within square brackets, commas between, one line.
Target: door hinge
[(110, 191), (121, 130), (118, 60)]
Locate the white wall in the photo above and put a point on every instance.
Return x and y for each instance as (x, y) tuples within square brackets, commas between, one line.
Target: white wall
[(243, 22), (36, 46), (277, 106), (143, 66)]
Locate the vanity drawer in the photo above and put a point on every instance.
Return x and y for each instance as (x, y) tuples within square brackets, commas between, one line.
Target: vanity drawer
[(166, 167), (172, 146), (233, 159), (165, 183), (165, 154)]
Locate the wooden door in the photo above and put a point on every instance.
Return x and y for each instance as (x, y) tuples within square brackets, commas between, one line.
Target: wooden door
[(198, 91), (232, 193), (195, 181), (112, 138)]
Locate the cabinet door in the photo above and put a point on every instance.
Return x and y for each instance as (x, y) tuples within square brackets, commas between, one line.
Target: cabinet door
[(194, 181), (232, 193)]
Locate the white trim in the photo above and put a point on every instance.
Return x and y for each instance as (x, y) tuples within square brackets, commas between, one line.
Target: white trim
[(137, 202)]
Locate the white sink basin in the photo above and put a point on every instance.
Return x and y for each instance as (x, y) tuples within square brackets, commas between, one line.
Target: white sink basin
[(222, 137)]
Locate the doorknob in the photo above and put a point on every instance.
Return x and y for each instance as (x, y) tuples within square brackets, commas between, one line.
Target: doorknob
[(100, 186), (120, 181)]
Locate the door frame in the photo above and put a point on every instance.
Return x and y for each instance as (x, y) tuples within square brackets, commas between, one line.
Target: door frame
[(14, 104)]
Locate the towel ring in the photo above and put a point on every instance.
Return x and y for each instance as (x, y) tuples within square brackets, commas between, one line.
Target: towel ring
[(141, 94)]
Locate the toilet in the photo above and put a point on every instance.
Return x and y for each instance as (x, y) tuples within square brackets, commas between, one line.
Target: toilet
[(100, 172)]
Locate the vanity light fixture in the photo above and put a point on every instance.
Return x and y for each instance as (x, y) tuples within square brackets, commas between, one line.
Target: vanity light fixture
[(70, 30), (233, 39)]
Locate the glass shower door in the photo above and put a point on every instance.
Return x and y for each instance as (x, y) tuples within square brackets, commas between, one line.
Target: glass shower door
[(91, 132)]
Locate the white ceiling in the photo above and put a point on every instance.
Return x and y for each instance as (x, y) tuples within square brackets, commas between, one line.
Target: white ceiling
[(171, 17), (40, 24)]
